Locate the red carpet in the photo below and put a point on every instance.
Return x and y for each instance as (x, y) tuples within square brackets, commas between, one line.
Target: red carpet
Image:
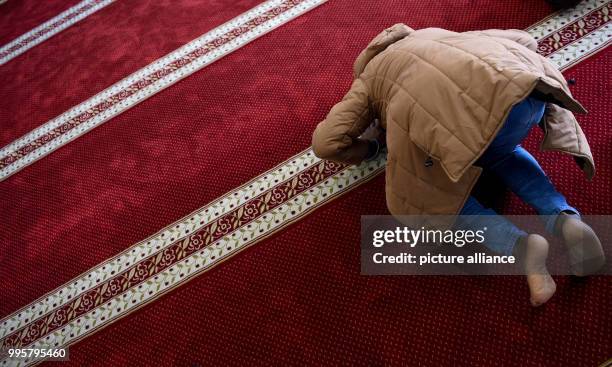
[(18, 17), (69, 68), (297, 297), (195, 127)]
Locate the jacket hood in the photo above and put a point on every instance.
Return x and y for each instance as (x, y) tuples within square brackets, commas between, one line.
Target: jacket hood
[(379, 44)]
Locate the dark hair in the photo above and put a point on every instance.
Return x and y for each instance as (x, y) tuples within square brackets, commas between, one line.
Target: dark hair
[(564, 4)]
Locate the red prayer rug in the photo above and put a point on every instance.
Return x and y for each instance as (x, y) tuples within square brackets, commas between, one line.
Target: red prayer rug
[(297, 296), (20, 17)]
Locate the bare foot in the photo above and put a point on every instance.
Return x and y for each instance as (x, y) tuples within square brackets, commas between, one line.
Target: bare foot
[(541, 285), (585, 253)]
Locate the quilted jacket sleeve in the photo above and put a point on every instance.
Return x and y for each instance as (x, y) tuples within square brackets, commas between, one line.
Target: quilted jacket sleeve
[(337, 137)]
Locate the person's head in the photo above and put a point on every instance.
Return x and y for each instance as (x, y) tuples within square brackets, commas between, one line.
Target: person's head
[(564, 4), (379, 44)]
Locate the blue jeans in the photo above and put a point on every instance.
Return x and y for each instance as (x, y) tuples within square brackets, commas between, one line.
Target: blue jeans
[(521, 173)]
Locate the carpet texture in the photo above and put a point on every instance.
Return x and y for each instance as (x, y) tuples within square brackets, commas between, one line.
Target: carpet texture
[(182, 146), (297, 297), (70, 67), (19, 17)]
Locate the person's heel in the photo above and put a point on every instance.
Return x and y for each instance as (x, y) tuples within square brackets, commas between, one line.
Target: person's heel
[(533, 252), (586, 255)]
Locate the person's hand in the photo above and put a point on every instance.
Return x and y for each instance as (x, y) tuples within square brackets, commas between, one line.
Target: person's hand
[(375, 132), (375, 137)]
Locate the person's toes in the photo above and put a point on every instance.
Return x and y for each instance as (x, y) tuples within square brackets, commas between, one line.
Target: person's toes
[(585, 252)]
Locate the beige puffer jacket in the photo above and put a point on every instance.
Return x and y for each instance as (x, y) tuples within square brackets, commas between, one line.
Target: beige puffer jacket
[(442, 96)]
